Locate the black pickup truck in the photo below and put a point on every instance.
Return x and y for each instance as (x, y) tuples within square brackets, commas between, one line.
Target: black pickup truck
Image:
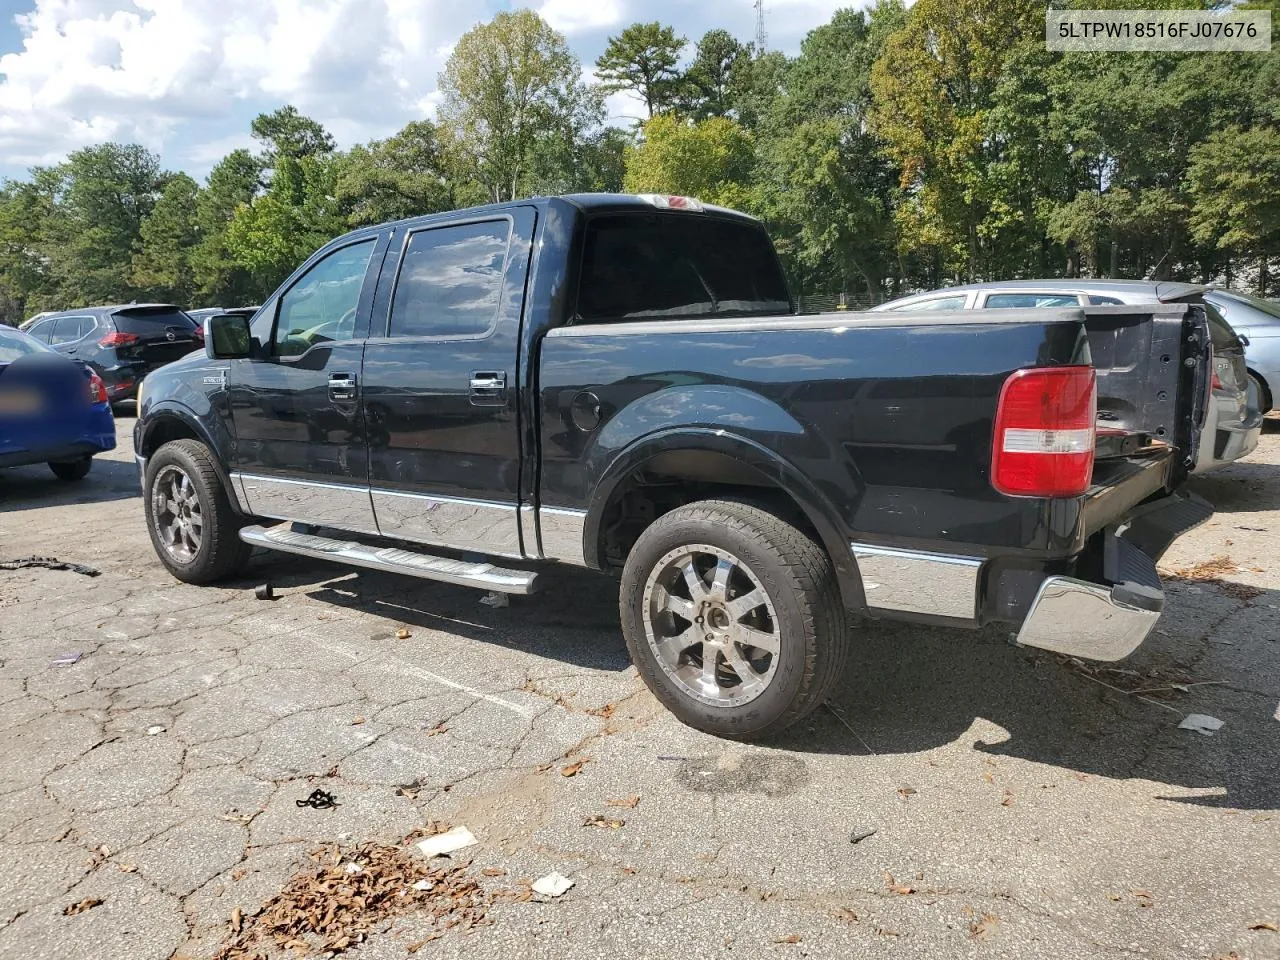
[(621, 383)]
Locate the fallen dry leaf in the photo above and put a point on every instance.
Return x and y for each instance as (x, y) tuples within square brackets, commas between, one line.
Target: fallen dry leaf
[(237, 920), (357, 721), (403, 634), (88, 903), (894, 887), (407, 792), (845, 914), (987, 776), (1265, 925), (630, 802), (599, 821), (985, 928), (1008, 799), (604, 712), (438, 729), (493, 872), (573, 769), (127, 867), (790, 938), (905, 792)]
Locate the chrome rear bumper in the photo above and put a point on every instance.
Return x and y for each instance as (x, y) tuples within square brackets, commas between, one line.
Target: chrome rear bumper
[(1082, 619)]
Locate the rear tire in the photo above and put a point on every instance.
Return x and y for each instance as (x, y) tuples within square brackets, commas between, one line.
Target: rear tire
[(734, 582), (193, 528), (72, 470)]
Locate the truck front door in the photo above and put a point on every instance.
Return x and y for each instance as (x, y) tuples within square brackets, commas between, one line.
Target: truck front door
[(440, 384), (301, 448)]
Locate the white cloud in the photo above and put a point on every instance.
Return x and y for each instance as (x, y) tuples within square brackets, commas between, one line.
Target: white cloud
[(93, 70), (576, 16)]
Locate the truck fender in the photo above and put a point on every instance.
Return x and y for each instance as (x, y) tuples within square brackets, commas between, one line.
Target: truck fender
[(170, 419), (773, 470)]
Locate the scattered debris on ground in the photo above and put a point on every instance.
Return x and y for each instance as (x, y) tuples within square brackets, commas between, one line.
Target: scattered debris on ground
[(1201, 723), (606, 822), (265, 592), (403, 634), (893, 886), (630, 802), (1212, 572), (319, 800), (443, 844), (67, 659), (552, 885), (499, 601), (50, 563), (155, 730), (573, 769), (328, 908), (859, 835), (88, 903), (984, 928)]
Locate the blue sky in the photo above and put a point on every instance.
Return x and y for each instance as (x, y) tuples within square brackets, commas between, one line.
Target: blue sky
[(185, 77)]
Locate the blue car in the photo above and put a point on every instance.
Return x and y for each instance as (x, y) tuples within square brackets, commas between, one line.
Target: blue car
[(52, 409)]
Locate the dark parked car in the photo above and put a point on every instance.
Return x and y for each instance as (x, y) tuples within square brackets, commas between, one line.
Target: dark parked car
[(52, 410), (620, 382), (122, 343)]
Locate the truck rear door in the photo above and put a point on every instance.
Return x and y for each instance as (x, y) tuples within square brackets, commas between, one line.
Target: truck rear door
[(441, 383)]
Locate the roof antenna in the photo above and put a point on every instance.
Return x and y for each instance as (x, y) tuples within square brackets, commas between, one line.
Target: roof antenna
[(762, 37)]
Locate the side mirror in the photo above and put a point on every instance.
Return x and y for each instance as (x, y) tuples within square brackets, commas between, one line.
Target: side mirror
[(227, 337)]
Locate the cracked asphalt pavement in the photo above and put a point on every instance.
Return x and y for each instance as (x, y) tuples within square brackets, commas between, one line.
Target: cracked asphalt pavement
[(1022, 806)]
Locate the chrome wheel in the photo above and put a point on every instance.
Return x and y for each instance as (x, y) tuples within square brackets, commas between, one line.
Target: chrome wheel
[(175, 511), (711, 625)]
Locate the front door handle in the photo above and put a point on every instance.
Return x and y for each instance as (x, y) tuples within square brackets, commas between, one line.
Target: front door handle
[(342, 386), (489, 388)]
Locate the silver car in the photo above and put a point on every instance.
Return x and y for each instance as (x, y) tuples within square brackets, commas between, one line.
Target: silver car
[(1258, 323), (1239, 400)]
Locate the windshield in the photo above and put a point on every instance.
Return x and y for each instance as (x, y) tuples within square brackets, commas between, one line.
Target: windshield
[(648, 266), (14, 344)]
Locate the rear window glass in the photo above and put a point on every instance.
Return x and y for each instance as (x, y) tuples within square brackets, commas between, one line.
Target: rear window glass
[(14, 345), (668, 266), (1031, 301), (152, 321), (941, 303), (1220, 332)]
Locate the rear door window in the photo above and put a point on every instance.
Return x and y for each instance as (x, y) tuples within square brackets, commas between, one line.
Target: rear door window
[(450, 282), (1030, 301), (676, 265), (41, 330), (66, 330)]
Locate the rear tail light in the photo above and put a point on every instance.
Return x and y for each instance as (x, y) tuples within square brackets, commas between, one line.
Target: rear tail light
[(97, 389), (198, 334), (119, 339), (1045, 432)]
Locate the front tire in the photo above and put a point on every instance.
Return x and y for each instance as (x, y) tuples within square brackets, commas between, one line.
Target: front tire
[(733, 618), (194, 530), (69, 471)]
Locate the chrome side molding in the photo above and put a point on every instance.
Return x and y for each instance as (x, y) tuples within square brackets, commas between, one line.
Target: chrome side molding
[(483, 576), (910, 581), (561, 532), (1086, 620)]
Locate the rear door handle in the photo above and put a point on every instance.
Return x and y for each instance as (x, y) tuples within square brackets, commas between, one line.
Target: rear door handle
[(342, 386), (488, 388)]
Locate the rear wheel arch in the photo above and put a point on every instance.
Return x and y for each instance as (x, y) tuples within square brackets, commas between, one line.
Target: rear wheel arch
[(690, 466), (1268, 395)]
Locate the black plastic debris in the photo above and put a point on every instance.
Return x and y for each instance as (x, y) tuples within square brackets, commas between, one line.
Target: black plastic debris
[(319, 800), (859, 835), (50, 563), (265, 592)]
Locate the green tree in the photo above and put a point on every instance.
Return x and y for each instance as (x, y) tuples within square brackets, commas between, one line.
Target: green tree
[(711, 77), (275, 232), (27, 213), (162, 268), (711, 160), (826, 185), (287, 133), (105, 194), (509, 87), (644, 60), (934, 88), (1234, 187), (221, 279), (402, 176)]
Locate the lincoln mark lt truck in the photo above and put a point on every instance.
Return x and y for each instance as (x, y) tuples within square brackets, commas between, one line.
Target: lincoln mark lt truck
[(622, 383)]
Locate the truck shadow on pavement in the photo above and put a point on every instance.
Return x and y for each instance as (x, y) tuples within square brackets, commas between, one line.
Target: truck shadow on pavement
[(33, 486), (911, 689)]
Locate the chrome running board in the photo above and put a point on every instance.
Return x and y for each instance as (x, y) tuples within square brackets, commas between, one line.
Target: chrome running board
[(464, 573)]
